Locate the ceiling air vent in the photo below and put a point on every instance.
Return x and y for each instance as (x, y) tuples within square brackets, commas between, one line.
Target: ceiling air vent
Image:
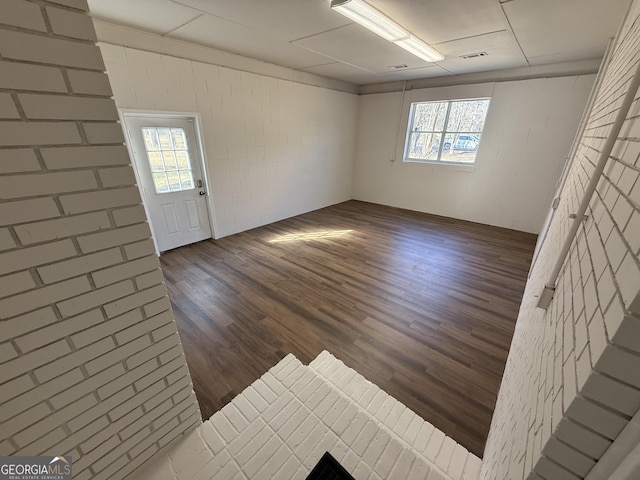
[(474, 55), (397, 67)]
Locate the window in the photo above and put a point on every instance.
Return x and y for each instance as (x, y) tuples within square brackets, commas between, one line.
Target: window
[(168, 158), (445, 131)]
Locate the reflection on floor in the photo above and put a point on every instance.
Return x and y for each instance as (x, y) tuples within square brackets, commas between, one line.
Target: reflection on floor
[(423, 306)]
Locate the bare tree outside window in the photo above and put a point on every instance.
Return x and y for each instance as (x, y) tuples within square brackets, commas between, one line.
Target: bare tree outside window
[(445, 131)]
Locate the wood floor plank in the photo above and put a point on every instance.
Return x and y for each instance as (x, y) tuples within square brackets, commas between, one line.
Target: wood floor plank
[(423, 306)]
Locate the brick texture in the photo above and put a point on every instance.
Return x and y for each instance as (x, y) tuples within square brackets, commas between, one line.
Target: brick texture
[(571, 380), (90, 360), (281, 425)]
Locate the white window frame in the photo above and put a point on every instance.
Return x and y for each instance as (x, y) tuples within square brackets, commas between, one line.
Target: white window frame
[(165, 171), (442, 133)]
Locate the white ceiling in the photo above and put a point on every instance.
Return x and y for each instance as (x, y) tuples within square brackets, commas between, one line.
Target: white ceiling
[(307, 35)]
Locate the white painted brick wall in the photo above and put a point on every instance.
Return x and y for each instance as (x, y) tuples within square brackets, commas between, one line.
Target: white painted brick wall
[(571, 381), (274, 148), (90, 360), (104, 155), (281, 425)]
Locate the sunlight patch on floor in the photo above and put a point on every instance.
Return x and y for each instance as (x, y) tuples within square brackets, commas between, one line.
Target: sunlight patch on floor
[(318, 235)]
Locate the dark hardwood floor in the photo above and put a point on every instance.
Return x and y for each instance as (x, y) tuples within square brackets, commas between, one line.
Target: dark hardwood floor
[(423, 306)]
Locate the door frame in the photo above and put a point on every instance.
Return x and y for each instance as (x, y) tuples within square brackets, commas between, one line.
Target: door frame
[(125, 113)]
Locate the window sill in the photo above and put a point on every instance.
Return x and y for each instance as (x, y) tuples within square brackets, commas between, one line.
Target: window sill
[(464, 167)]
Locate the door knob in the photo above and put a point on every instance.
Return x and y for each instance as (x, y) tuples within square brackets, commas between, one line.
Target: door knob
[(202, 193)]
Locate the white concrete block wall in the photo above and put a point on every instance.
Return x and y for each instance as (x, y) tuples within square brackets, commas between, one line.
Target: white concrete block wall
[(571, 382), (274, 148), (90, 360), (526, 139)]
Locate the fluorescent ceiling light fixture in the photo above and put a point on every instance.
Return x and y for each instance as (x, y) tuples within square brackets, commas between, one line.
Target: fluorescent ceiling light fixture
[(420, 49), (367, 16)]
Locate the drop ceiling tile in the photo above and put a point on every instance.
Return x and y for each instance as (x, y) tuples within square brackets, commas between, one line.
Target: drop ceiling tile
[(501, 49), (568, 29), (342, 71), (584, 54), (549, 31), (289, 19), (437, 21), (156, 16), (348, 73), (359, 47), (231, 37), (410, 74)]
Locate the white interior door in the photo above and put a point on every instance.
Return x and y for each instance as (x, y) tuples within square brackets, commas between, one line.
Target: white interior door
[(169, 165)]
